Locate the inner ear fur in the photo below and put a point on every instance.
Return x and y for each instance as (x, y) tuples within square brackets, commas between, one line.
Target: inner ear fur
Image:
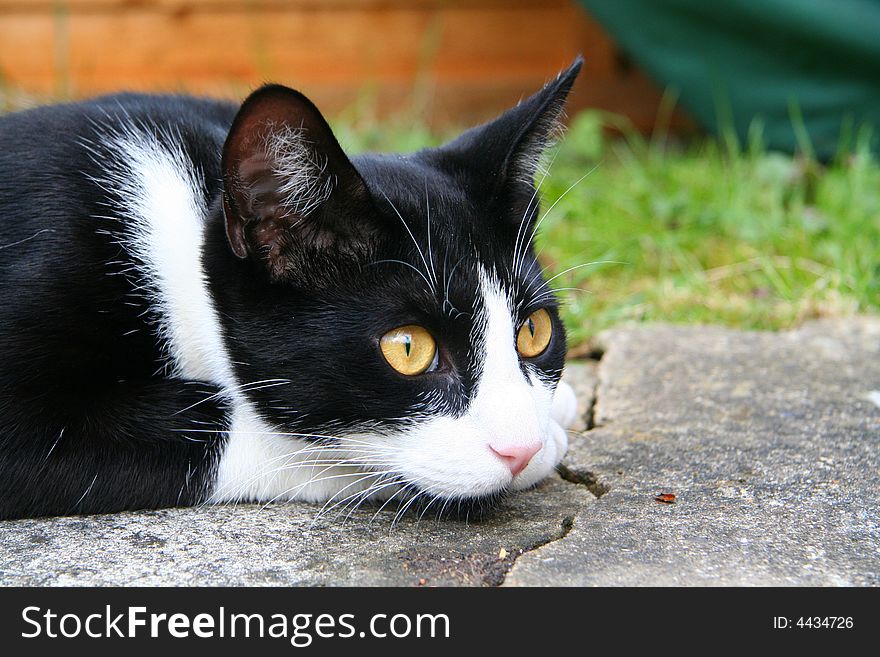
[(289, 189)]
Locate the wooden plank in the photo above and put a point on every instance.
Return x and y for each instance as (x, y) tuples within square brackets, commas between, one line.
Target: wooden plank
[(189, 6), (143, 49), (453, 61)]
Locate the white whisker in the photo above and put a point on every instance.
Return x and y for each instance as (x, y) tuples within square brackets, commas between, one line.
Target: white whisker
[(547, 212), (413, 238)]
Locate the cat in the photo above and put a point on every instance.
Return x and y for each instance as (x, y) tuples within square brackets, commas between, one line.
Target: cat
[(204, 302)]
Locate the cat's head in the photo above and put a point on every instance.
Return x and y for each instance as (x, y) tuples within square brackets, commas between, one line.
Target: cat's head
[(399, 294)]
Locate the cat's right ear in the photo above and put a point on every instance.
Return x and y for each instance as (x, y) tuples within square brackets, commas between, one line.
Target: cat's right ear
[(290, 192)]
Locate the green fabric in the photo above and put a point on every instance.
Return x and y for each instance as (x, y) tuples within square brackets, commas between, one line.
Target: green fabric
[(734, 60)]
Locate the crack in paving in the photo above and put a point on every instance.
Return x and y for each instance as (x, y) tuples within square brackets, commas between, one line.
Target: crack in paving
[(769, 459), (575, 476), (497, 578), (582, 477), (479, 568), (590, 417)]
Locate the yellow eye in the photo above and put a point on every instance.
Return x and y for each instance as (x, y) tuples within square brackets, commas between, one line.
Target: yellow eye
[(534, 334), (409, 349)]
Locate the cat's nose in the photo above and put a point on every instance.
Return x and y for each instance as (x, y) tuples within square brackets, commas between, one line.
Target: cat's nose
[(515, 457)]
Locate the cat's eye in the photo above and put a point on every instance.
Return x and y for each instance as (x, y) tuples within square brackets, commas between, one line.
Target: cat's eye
[(534, 334), (409, 349)]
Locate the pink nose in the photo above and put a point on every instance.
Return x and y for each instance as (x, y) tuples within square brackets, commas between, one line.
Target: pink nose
[(516, 457)]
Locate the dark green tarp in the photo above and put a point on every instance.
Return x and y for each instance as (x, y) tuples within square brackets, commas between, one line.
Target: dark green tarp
[(734, 60)]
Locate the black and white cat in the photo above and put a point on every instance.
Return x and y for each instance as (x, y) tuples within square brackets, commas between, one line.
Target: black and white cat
[(201, 302)]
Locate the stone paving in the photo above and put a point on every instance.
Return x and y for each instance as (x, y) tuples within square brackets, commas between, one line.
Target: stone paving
[(769, 442)]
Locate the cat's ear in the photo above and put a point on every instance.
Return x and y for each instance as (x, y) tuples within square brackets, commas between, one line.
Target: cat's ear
[(505, 154), (289, 189)]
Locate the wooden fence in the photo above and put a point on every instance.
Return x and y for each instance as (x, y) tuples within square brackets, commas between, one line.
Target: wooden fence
[(454, 61)]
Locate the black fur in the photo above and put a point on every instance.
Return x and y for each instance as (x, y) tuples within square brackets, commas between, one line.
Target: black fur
[(92, 419)]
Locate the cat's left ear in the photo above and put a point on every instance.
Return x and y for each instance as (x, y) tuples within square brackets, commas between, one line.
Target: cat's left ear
[(504, 155), (290, 192)]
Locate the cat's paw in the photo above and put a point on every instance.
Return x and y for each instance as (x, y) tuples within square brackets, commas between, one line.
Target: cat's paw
[(564, 408)]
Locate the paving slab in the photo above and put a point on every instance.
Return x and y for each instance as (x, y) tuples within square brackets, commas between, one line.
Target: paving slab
[(769, 442), (281, 544)]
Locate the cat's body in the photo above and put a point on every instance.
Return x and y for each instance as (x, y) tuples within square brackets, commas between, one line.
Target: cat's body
[(196, 299)]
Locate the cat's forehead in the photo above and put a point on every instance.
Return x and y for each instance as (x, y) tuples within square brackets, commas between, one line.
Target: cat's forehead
[(415, 186), (449, 236), (439, 207)]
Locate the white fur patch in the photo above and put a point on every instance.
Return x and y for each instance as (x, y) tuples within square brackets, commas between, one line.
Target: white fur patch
[(304, 182), (262, 465), (162, 230)]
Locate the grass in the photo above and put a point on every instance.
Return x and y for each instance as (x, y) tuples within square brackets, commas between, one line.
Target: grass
[(710, 233), (703, 232)]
